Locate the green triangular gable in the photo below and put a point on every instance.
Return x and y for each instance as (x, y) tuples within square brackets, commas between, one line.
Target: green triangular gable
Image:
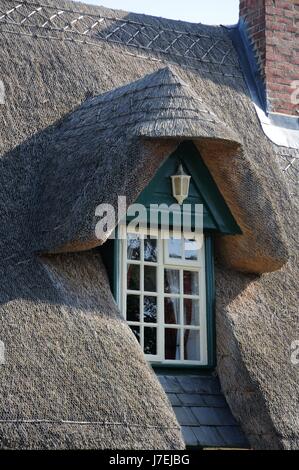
[(203, 189)]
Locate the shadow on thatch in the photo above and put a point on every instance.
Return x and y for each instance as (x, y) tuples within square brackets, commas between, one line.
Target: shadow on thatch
[(63, 363)]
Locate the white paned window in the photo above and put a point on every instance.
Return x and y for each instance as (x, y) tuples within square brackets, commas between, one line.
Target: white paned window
[(162, 296)]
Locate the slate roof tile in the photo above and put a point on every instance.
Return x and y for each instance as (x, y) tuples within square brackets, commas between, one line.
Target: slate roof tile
[(199, 384), (170, 383), (206, 416), (202, 411), (174, 399), (185, 416), (213, 416), (208, 436), (233, 436), (189, 436), (191, 399), (215, 401)]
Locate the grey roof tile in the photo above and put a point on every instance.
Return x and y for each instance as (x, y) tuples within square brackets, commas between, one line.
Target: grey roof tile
[(233, 436), (208, 436), (189, 436), (199, 384), (194, 399), (205, 416), (226, 417), (174, 400), (170, 383), (184, 416), (213, 416), (202, 411), (217, 401)]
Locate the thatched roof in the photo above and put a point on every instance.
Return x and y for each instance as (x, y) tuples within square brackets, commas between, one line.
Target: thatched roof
[(74, 377), (156, 106), (61, 66)]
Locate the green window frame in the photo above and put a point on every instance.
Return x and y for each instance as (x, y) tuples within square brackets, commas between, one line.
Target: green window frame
[(217, 219)]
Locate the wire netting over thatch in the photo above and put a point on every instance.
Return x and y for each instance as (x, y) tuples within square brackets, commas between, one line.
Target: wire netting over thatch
[(91, 27), (169, 40), (74, 376)]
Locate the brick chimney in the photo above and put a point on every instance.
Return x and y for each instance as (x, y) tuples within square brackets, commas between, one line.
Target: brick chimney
[(273, 29)]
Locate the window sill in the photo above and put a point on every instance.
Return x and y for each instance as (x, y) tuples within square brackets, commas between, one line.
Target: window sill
[(181, 369)]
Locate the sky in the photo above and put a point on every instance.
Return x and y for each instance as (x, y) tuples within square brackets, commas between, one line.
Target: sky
[(198, 11)]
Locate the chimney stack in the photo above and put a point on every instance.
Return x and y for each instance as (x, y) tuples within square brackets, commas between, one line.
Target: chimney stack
[(272, 27)]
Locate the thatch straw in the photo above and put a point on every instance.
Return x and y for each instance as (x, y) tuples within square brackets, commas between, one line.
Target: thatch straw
[(74, 376), (65, 343)]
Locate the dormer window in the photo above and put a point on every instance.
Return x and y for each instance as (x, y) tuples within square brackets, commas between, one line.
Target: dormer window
[(165, 286), (163, 296)]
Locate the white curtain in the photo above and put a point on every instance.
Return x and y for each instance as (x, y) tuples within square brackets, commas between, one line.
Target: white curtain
[(173, 282)]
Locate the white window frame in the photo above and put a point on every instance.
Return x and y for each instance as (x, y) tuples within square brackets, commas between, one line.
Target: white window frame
[(198, 263), (161, 264)]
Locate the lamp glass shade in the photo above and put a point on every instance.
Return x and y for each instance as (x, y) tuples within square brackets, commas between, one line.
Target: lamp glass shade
[(180, 185)]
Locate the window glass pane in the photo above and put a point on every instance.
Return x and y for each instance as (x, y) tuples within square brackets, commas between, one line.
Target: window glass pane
[(150, 309), (191, 250), (150, 278), (191, 312), (171, 310), (191, 345), (150, 249), (172, 281), (180, 321), (133, 246), (172, 343), (150, 340), (175, 248), (191, 282), (133, 277), (133, 308), (136, 331)]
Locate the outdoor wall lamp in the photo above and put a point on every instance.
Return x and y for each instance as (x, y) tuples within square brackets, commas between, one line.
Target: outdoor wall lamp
[(180, 185)]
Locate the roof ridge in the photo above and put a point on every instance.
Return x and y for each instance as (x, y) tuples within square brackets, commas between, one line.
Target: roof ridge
[(133, 87), (83, 12), (157, 104), (202, 44)]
